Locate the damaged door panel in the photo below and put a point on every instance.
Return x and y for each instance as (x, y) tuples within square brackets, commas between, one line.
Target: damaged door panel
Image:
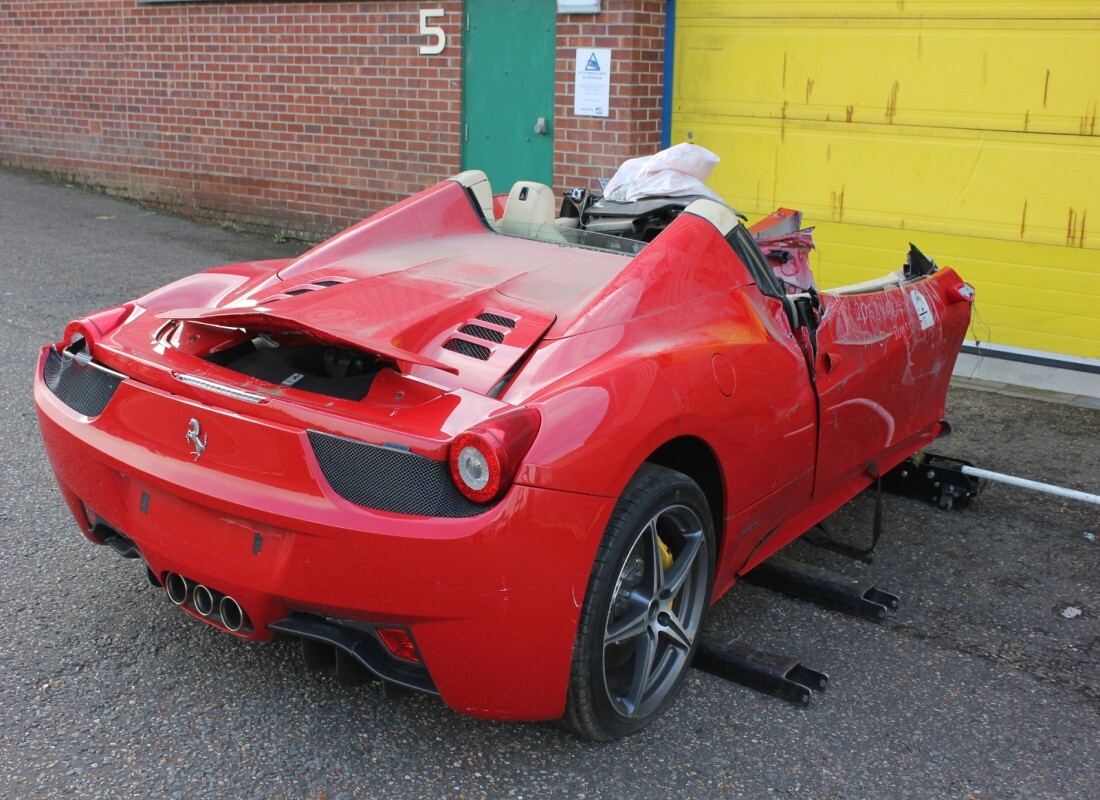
[(885, 354)]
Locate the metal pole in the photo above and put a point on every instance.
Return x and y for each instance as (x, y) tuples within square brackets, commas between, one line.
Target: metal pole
[(1000, 477)]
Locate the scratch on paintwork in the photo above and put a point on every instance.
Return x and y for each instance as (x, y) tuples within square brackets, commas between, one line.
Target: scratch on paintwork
[(885, 415), (783, 122), (1071, 226), (1026, 114), (1046, 88), (1023, 220), (889, 316), (848, 113), (809, 88), (573, 592), (1081, 237), (869, 321), (796, 433), (892, 104)]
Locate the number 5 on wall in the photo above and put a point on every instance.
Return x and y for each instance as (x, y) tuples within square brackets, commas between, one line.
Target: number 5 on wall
[(432, 30)]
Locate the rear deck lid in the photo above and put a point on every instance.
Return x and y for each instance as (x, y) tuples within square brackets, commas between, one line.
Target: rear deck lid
[(448, 333)]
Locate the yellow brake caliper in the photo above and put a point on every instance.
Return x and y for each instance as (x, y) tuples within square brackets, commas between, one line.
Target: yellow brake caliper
[(666, 554)]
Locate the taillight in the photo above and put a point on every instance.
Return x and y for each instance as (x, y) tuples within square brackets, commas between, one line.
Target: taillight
[(484, 459)]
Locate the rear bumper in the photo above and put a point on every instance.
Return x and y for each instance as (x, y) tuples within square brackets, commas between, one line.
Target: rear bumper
[(492, 601)]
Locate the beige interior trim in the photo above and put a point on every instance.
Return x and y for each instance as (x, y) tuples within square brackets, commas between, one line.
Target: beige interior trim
[(717, 214), (895, 278), (478, 182)]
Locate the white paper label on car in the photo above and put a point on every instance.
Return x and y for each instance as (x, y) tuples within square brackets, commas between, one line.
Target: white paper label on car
[(924, 313)]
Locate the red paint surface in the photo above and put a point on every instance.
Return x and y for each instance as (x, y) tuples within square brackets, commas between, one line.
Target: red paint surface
[(619, 356)]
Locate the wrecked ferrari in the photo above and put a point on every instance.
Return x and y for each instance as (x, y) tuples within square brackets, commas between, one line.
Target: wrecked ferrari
[(491, 448)]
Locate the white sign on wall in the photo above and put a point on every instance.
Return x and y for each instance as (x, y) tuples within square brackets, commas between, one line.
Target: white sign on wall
[(592, 89)]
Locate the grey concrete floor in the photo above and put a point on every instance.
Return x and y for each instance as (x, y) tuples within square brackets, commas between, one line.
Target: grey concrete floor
[(977, 687)]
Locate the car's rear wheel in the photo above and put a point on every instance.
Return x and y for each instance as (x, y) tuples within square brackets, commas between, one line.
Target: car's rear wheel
[(645, 606)]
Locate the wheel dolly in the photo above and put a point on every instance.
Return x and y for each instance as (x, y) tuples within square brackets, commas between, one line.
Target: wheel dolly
[(781, 675), (948, 483)]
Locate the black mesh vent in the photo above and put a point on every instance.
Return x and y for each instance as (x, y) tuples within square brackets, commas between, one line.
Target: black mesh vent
[(83, 387), (471, 349), (497, 319), (327, 284), (293, 292), (388, 479), (482, 333)]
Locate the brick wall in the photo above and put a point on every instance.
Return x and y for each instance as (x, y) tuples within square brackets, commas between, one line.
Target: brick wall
[(297, 118), (587, 148)]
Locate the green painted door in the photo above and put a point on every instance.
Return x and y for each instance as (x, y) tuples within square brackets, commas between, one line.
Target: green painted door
[(508, 86)]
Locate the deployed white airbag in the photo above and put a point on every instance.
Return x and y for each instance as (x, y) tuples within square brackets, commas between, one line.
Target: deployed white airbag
[(676, 172)]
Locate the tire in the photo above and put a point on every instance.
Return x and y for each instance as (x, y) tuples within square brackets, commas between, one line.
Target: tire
[(645, 606)]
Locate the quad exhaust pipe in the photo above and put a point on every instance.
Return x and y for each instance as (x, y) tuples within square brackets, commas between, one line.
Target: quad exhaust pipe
[(231, 613), (178, 588), (205, 601)]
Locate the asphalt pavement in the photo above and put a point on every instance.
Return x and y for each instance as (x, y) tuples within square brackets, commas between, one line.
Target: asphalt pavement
[(984, 684)]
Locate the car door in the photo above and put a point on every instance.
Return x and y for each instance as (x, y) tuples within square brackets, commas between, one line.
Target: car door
[(878, 357), (883, 359)]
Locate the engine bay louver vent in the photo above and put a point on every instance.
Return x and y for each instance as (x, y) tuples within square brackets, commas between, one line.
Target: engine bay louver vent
[(313, 286), (482, 333), (497, 319), (471, 349)]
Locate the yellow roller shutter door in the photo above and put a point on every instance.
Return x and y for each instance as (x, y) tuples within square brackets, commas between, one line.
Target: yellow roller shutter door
[(969, 128)]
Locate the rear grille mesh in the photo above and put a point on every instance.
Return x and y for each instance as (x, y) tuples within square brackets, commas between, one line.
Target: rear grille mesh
[(482, 333), (84, 387), (497, 319), (471, 349), (387, 479)]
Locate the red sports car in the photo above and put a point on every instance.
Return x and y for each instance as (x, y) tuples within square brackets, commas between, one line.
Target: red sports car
[(495, 449)]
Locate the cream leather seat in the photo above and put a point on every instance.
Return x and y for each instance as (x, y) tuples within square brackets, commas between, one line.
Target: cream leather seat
[(530, 204)]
